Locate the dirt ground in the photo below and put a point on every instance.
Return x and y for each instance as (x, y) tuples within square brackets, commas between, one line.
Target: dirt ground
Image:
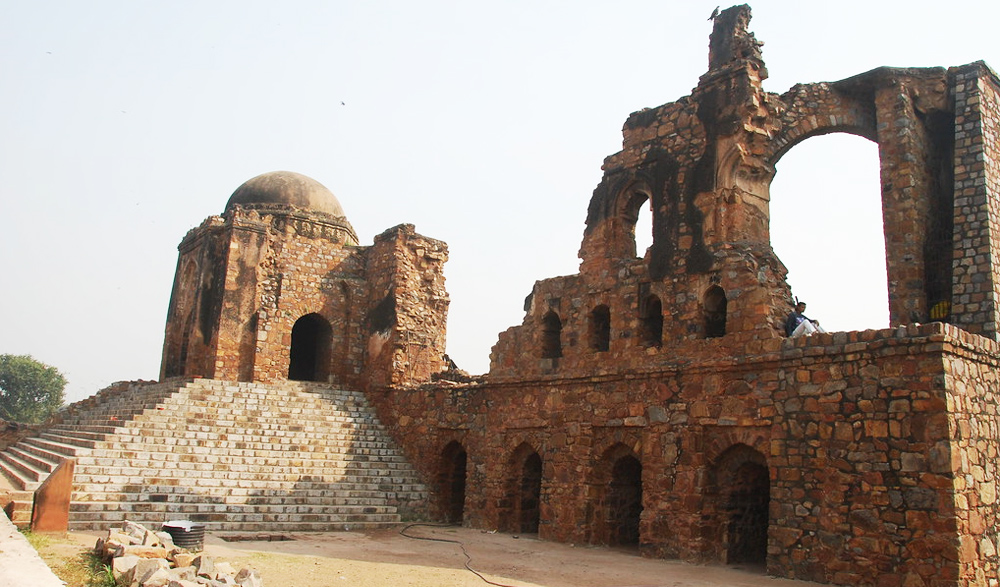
[(386, 558)]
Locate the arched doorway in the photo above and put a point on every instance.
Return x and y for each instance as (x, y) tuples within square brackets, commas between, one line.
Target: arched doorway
[(309, 356), (739, 501), (530, 495), (618, 509), (625, 501), (451, 482), (747, 510)]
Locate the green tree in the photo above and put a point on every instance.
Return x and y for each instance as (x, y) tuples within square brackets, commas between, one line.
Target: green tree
[(29, 390)]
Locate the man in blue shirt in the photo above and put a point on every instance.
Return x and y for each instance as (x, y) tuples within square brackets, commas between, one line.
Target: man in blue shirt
[(794, 324)]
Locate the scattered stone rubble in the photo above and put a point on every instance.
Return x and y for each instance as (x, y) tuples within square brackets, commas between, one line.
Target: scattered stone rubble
[(139, 557)]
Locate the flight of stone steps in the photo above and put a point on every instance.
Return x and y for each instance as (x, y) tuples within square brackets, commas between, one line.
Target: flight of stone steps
[(234, 456)]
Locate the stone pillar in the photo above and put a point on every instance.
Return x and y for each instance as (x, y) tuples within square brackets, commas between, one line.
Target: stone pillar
[(906, 183), (977, 200)]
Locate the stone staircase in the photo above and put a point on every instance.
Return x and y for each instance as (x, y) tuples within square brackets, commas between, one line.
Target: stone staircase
[(234, 456)]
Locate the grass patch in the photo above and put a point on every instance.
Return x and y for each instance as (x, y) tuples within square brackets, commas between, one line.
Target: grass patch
[(37, 541), (78, 567)]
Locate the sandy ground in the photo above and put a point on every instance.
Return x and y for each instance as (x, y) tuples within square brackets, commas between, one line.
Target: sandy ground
[(385, 558)]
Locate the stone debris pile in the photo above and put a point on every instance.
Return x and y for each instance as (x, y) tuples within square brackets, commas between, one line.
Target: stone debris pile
[(139, 557)]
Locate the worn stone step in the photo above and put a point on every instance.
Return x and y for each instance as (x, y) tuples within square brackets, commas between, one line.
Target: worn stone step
[(82, 510), (75, 441), (20, 468), (155, 436), (263, 460), (115, 482), (317, 498), (82, 433), (40, 459), (249, 523), (53, 446)]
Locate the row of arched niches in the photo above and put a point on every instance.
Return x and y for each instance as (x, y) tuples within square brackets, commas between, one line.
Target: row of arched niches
[(736, 491), (649, 332)]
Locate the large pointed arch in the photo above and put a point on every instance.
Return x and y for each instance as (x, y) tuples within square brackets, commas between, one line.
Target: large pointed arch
[(827, 228), (737, 505)]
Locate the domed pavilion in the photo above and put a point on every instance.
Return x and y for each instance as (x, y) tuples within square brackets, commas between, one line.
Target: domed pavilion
[(277, 288)]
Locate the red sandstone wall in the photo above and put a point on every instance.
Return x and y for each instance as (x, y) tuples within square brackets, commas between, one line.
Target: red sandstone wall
[(306, 270), (854, 428)]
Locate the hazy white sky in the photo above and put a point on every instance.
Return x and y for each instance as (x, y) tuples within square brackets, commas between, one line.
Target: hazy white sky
[(124, 124)]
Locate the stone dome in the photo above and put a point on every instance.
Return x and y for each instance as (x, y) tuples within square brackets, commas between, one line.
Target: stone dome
[(286, 188)]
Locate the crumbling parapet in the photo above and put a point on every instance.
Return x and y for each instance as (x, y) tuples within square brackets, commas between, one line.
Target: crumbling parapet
[(407, 320)]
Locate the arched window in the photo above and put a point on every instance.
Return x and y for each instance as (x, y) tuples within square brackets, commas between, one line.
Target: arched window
[(309, 357), (638, 218), (651, 322), (715, 312), (600, 329), (551, 336)]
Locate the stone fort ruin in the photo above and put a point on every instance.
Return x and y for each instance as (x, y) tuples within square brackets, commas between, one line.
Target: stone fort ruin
[(650, 399)]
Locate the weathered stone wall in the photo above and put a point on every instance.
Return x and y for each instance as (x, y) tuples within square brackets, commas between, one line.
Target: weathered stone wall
[(12, 432), (195, 301), (977, 198), (973, 400), (306, 271), (861, 458), (855, 430), (406, 321)]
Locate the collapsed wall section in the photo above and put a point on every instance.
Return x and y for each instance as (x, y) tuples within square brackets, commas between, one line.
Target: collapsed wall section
[(405, 322)]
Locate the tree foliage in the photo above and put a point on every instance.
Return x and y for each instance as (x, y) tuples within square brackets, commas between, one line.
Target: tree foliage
[(29, 390)]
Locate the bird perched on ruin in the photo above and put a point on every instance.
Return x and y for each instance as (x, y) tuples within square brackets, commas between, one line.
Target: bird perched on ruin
[(714, 13)]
